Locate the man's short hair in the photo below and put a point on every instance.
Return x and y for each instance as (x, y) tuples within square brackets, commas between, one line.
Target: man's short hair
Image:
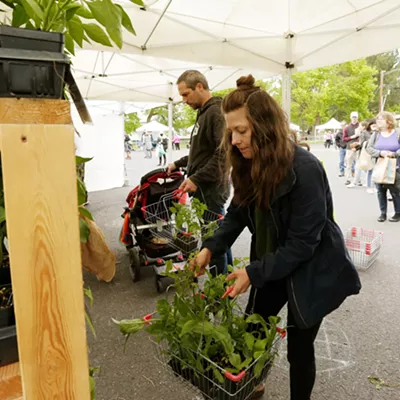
[(192, 77)]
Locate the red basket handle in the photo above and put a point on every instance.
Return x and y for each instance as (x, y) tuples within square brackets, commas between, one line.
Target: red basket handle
[(235, 378), (147, 318), (229, 290), (282, 332)]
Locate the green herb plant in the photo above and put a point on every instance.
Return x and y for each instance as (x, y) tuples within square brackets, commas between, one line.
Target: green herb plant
[(200, 325)]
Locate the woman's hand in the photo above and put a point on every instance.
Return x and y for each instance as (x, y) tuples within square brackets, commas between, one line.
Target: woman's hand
[(385, 154), (199, 264), (242, 282)]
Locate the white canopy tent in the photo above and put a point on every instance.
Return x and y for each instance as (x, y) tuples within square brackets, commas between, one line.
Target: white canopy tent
[(153, 126), (294, 127), (331, 124), (277, 37)]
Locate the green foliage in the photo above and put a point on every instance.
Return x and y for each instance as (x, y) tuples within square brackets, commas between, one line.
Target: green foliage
[(132, 123), (99, 21), (200, 325)]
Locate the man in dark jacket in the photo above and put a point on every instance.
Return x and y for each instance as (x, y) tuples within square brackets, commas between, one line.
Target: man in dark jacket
[(341, 145), (350, 136), (205, 177)]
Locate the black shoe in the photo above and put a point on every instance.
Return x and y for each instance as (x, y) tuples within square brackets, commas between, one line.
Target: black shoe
[(382, 218), (341, 175), (395, 218), (347, 183)]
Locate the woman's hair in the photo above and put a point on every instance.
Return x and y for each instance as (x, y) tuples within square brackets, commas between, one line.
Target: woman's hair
[(370, 123), (272, 145), (391, 122)]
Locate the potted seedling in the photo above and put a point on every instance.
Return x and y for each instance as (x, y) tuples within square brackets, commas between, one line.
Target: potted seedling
[(204, 337)]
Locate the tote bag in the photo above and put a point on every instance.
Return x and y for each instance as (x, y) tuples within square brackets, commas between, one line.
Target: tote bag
[(364, 162), (385, 171)]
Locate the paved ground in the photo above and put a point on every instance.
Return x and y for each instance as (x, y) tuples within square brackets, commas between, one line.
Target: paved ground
[(356, 341)]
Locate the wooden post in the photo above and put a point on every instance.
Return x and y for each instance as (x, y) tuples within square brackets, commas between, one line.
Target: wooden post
[(39, 176)]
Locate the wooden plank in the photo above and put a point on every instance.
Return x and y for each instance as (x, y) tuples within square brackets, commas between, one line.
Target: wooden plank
[(43, 231), (10, 382), (35, 111)]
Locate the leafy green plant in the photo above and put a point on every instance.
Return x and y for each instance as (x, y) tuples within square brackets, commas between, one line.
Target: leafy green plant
[(200, 325), (99, 21)]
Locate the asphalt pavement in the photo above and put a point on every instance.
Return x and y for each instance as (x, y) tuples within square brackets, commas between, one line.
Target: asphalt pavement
[(358, 340)]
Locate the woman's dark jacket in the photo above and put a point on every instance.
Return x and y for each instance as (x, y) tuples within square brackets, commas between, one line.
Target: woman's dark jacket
[(310, 251)]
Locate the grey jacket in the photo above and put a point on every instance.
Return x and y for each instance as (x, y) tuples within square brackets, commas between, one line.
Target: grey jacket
[(372, 142)]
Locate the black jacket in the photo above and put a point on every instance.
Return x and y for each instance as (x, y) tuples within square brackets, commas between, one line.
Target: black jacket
[(311, 253), (204, 160)]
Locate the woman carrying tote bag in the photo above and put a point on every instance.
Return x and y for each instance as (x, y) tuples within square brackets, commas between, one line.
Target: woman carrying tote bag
[(385, 147)]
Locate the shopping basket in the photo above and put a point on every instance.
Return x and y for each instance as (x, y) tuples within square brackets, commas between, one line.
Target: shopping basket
[(364, 246), (229, 387), (162, 224)]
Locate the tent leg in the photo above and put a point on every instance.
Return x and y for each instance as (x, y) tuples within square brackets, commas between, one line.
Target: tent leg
[(171, 132), (287, 92)]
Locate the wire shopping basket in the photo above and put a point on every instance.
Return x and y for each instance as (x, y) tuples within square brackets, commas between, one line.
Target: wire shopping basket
[(163, 224), (201, 377), (364, 246)]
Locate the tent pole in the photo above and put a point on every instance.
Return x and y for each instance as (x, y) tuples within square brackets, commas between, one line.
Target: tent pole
[(287, 92), (170, 129)]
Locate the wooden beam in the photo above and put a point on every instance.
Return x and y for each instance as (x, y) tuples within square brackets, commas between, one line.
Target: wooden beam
[(35, 111), (10, 382), (39, 177)]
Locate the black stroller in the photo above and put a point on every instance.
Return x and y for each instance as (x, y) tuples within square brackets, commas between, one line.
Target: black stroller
[(137, 234)]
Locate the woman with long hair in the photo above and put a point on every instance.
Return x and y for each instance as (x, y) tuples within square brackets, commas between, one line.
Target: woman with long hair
[(298, 255)]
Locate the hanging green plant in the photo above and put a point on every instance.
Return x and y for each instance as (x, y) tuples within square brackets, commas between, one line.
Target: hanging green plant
[(98, 21)]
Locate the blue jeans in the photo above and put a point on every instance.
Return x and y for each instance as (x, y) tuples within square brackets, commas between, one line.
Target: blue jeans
[(369, 179), (342, 155)]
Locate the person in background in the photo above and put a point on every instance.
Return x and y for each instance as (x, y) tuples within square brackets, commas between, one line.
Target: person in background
[(386, 143), (205, 179), (298, 254), (364, 136), (162, 148), (127, 146), (177, 141), (342, 145), (328, 139), (148, 145), (349, 137)]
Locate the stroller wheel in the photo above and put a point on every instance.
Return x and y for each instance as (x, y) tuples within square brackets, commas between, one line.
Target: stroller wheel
[(134, 267), (160, 285)]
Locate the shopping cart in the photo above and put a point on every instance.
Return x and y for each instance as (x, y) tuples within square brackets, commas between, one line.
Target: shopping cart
[(163, 224), (364, 246)]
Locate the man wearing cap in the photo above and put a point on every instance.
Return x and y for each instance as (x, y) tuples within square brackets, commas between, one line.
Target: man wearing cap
[(350, 135)]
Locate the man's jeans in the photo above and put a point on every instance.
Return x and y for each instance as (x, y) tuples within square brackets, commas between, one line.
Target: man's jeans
[(342, 155)]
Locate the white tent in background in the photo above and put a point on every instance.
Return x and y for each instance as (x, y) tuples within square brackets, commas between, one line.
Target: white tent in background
[(153, 126), (279, 37), (294, 127), (331, 124)]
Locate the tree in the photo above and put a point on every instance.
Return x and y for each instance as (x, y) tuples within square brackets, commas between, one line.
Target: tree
[(387, 62), (132, 122)]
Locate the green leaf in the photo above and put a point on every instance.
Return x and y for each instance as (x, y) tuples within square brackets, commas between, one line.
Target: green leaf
[(2, 214), (249, 340), (20, 17), (82, 193), (89, 321), (260, 365), (163, 307), (84, 13), (97, 34), (126, 21), (138, 2), (33, 5), (84, 230), (85, 213), (82, 160), (69, 43), (75, 29), (129, 326), (109, 16), (188, 327), (235, 360), (71, 10), (218, 376), (88, 293), (260, 345)]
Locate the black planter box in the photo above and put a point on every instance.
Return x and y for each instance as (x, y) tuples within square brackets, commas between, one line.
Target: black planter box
[(32, 63), (32, 74), (30, 39), (8, 346)]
